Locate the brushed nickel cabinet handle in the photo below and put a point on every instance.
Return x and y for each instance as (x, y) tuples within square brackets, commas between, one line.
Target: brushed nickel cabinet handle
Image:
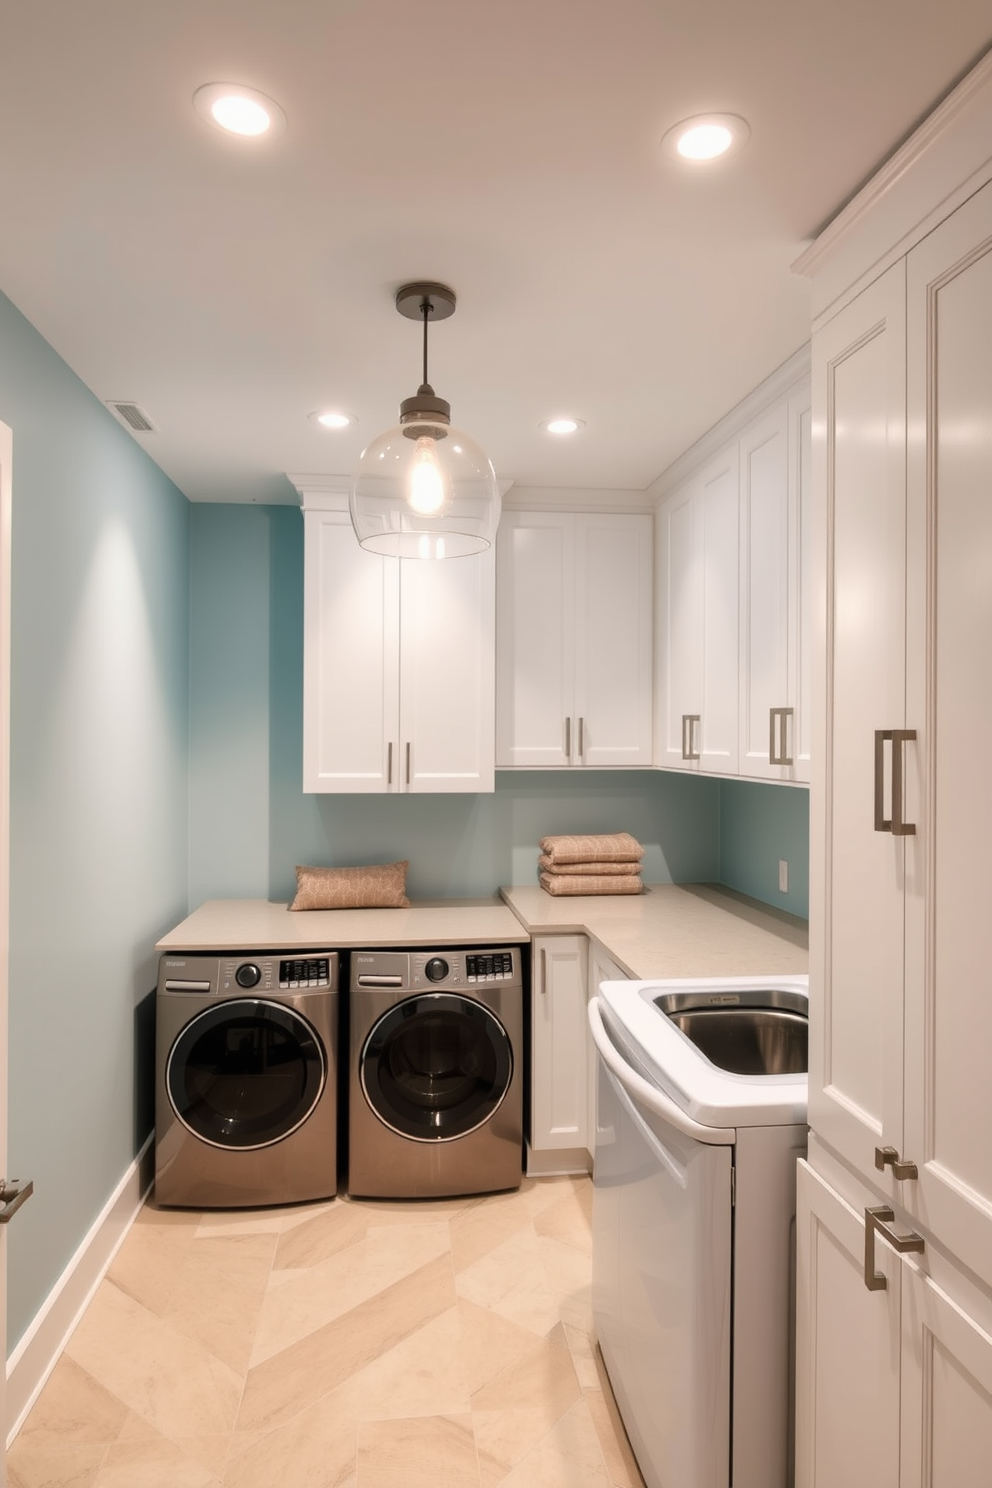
[(408, 762), (689, 720), (389, 763), (568, 738), (894, 823), (778, 752), (13, 1193), (879, 1219), (544, 971), (888, 1156), (582, 738)]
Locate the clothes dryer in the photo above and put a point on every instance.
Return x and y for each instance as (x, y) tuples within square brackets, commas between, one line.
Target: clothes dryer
[(246, 1078), (435, 1103)]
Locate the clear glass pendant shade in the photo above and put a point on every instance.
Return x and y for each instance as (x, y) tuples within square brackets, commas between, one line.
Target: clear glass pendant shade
[(424, 490)]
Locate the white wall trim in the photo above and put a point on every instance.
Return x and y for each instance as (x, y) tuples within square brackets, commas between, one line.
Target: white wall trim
[(37, 1353)]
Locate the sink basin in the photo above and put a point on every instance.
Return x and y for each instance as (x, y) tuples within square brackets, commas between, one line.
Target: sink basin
[(754, 1032)]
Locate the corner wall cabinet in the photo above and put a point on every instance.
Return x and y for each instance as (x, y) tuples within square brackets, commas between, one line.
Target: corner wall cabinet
[(733, 629), (574, 640), (900, 1100), (399, 678)]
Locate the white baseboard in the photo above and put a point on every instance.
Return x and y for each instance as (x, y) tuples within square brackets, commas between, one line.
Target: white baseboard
[(37, 1353), (560, 1162)]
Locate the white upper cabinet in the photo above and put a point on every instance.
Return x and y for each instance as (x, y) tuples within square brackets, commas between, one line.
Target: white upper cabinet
[(399, 685), (733, 686), (574, 640), (698, 563), (774, 632)]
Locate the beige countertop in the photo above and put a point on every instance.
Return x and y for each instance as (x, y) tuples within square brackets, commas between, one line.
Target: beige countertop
[(259, 925), (673, 930)]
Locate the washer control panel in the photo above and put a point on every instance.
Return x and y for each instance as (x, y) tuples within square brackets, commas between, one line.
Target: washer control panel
[(249, 971)]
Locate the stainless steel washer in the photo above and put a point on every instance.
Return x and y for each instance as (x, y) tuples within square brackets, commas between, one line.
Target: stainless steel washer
[(246, 1078), (435, 1105)]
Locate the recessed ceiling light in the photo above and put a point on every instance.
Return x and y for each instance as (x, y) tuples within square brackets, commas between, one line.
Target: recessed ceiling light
[(334, 419), (238, 110), (563, 425), (706, 137)]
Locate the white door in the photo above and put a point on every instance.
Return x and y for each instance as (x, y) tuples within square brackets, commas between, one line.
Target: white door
[(680, 631), (847, 1347), (612, 724), (350, 659), (447, 682), (859, 874), (5, 492), (535, 640), (949, 615)]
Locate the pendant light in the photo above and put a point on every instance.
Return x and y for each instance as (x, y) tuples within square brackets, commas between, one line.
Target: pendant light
[(424, 489)]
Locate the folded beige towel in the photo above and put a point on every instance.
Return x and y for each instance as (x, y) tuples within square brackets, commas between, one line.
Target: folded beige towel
[(615, 847), (574, 883), (548, 865)]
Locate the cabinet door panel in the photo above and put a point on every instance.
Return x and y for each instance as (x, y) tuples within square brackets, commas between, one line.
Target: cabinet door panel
[(613, 672), (680, 638), (857, 873), (949, 1012), (350, 660), (767, 527), (719, 540), (559, 1064), (535, 639), (946, 1390), (847, 1346), (447, 686)]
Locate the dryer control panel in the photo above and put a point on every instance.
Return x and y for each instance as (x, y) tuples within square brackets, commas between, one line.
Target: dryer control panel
[(445, 968)]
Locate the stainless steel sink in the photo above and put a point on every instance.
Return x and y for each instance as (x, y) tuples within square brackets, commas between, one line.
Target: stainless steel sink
[(753, 1032)]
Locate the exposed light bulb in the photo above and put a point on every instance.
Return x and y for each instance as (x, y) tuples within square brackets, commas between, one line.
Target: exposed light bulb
[(426, 480)]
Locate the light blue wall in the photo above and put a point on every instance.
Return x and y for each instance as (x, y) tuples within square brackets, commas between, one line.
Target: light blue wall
[(759, 825), (250, 822), (99, 841)]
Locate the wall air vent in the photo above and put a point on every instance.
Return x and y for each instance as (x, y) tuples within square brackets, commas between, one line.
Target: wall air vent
[(129, 413)]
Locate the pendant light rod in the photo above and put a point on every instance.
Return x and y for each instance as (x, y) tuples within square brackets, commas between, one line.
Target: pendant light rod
[(425, 306)]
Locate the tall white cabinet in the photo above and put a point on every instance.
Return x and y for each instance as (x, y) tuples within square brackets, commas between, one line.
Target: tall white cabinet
[(894, 1377), (399, 678)]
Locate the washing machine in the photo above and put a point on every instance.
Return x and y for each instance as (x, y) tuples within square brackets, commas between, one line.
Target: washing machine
[(435, 1101), (246, 1090)]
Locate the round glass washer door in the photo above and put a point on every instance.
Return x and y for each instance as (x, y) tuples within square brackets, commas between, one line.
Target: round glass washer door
[(436, 1067), (245, 1073)]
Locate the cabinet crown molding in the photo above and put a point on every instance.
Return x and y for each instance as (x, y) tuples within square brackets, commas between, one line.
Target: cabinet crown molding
[(907, 196), (787, 379)]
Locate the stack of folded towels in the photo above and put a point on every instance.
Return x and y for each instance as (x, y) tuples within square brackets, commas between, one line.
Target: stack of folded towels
[(591, 865)]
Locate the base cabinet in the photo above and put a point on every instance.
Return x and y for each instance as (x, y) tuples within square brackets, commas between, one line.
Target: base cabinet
[(894, 1385), (566, 971), (559, 1106)]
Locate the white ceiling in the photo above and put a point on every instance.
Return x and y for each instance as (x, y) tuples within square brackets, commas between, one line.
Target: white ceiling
[(509, 150)]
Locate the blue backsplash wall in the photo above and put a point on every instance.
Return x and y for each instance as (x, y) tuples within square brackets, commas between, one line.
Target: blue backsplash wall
[(250, 822)]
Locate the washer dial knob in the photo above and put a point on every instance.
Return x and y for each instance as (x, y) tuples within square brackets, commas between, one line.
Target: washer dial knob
[(436, 969), (248, 975)]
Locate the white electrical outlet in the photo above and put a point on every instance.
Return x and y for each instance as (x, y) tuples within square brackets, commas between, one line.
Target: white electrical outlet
[(783, 876)]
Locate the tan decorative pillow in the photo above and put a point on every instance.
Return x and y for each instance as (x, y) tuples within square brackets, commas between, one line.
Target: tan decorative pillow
[(380, 886)]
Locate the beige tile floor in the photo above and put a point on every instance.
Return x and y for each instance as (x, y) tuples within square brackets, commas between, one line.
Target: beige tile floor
[(444, 1344)]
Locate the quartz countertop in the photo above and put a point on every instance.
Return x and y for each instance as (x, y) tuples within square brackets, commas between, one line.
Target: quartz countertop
[(259, 924), (673, 930)]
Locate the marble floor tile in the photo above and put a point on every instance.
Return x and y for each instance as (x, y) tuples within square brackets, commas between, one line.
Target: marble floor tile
[(346, 1344), (423, 1453)]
